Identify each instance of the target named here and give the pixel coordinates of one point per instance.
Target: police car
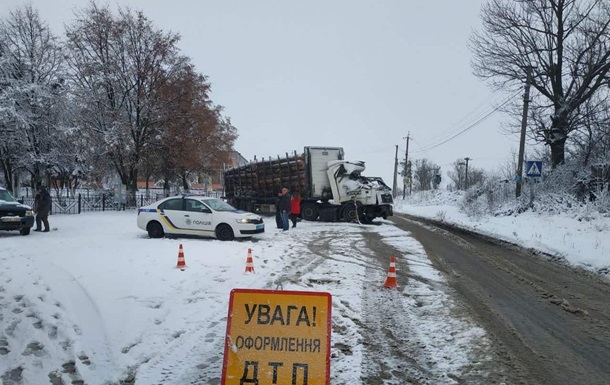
(198, 215)
(14, 215)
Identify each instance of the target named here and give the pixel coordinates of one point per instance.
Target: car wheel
(155, 230)
(224, 232)
(309, 212)
(25, 231)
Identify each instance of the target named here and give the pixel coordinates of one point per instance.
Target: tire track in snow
(97, 364)
(192, 357)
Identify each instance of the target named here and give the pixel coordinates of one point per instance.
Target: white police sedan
(198, 215)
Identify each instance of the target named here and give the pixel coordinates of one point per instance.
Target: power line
(421, 148)
(473, 115)
(471, 126)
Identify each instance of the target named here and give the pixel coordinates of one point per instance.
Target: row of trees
(427, 175)
(115, 96)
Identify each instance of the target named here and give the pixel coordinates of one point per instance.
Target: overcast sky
(351, 73)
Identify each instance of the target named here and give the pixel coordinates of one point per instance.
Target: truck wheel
(25, 231)
(309, 212)
(350, 214)
(155, 230)
(364, 218)
(224, 232)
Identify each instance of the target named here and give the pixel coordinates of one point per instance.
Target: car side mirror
(206, 210)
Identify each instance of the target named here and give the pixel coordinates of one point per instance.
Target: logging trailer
(331, 188)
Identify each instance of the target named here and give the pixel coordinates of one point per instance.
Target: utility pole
(410, 176)
(404, 185)
(395, 183)
(466, 177)
(460, 186)
(526, 100)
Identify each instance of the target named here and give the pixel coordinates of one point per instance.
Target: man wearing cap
(42, 206)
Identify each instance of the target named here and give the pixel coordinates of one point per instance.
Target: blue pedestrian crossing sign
(534, 169)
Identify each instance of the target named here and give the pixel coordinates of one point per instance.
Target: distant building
(235, 159)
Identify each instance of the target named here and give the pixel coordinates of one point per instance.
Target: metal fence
(93, 202)
(89, 200)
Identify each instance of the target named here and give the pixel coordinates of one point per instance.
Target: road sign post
(534, 171)
(277, 337)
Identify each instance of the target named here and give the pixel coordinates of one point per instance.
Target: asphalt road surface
(549, 323)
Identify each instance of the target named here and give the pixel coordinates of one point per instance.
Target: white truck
(331, 188)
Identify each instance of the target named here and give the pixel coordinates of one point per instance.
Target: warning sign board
(533, 169)
(277, 337)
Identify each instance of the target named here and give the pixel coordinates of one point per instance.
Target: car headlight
(29, 213)
(246, 220)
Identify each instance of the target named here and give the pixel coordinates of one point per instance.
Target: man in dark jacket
(42, 207)
(285, 208)
(278, 212)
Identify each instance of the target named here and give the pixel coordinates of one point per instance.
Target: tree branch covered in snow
(117, 97)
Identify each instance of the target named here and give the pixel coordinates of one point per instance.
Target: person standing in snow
(295, 208)
(42, 207)
(278, 213)
(285, 209)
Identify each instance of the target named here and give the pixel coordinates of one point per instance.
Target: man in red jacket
(295, 208)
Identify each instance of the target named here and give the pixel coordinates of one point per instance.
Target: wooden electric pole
(526, 100)
(466, 177)
(404, 184)
(395, 183)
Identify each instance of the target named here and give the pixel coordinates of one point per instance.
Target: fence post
(141, 200)
(79, 203)
(103, 202)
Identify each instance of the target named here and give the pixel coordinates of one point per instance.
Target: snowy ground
(580, 236)
(97, 300)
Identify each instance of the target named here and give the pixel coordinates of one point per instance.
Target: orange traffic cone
(391, 279)
(249, 262)
(181, 263)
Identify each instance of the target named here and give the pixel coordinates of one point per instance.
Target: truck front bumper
(386, 211)
(383, 211)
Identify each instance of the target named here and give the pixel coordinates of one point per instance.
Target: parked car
(198, 215)
(14, 215)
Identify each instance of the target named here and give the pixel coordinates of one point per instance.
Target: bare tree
(508, 168)
(424, 173)
(476, 176)
(591, 143)
(566, 43)
(120, 66)
(458, 174)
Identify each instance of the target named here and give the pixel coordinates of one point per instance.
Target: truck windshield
(6, 196)
(219, 205)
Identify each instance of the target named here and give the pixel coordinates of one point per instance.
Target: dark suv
(14, 215)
